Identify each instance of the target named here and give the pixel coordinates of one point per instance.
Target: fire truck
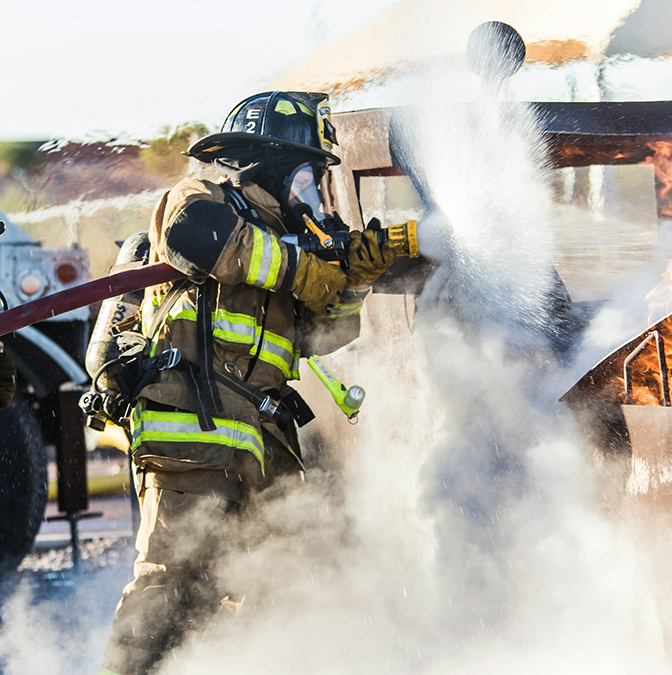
(44, 417)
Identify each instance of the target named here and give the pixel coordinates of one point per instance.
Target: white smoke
(460, 535)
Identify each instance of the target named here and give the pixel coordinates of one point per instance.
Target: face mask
(271, 169)
(302, 194)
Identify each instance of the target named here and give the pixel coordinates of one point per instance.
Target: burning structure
(623, 401)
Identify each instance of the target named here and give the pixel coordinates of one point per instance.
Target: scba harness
(137, 366)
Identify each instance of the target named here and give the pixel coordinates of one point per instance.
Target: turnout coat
(259, 330)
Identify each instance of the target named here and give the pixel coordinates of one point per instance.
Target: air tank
(103, 346)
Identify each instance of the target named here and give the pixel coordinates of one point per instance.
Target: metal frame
(662, 366)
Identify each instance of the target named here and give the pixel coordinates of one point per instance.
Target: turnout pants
(182, 540)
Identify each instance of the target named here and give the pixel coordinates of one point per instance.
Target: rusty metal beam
(580, 134)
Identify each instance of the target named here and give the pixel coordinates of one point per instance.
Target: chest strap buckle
(169, 358)
(268, 407)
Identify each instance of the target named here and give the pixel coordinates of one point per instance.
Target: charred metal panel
(378, 142)
(604, 382)
(607, 118)
(581, 134)
(578, 134)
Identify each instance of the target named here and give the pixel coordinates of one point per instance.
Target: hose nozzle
(403, 238)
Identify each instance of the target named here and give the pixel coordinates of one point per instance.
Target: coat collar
(266, 206)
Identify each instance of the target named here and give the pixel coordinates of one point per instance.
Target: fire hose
(86, 294)
(403, 237)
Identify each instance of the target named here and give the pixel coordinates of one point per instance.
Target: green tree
(163, 155)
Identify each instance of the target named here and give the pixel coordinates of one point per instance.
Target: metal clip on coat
(348, 400)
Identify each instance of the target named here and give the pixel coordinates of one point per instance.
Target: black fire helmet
(279, 123)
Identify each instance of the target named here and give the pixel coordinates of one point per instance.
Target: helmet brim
(225, 144)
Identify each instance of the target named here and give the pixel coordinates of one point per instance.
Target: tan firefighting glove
(7, 380)
(367, 259)
(318, 284)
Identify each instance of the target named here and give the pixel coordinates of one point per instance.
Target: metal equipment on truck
(49, 358)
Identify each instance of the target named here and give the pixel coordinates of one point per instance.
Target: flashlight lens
(354, 397)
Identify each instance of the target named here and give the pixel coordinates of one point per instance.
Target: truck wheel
(23, 482)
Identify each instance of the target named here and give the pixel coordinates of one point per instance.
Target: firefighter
(7, 378)
(218, 425)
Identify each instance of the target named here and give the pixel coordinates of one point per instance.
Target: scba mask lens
(302, 194)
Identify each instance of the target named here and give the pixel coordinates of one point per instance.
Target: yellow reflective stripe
(180, 427)
(346, 309)
(227, 326)
(276, 350)
(107, 671)
(257, 252)
(265, 261)
(147, 313)
(294, 368)
(275, 360)
(282, 342)
(234, 327)
(306, 109)
(296, 457)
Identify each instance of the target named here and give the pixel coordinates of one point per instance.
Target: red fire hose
(86, 294)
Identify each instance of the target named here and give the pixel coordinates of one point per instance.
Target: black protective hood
(270, 170)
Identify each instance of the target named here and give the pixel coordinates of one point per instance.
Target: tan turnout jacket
(253, 318)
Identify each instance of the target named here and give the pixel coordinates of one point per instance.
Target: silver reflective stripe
(266, 259)
(283, 353)
(244, 330)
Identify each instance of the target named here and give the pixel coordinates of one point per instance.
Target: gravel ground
(94, 555)
(51, 613)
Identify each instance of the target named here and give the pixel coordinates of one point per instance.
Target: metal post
(74, 539)
(662, 367)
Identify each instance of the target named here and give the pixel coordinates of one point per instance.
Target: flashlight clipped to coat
(331, 244)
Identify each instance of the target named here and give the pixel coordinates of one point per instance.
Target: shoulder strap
(244, 209)
(207, 402)
(176, 290)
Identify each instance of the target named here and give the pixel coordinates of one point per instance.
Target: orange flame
(661, 160)
(645, 375)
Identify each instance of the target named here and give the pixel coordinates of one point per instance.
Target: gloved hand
(367, 259)
(318, 284)
(7, 380)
